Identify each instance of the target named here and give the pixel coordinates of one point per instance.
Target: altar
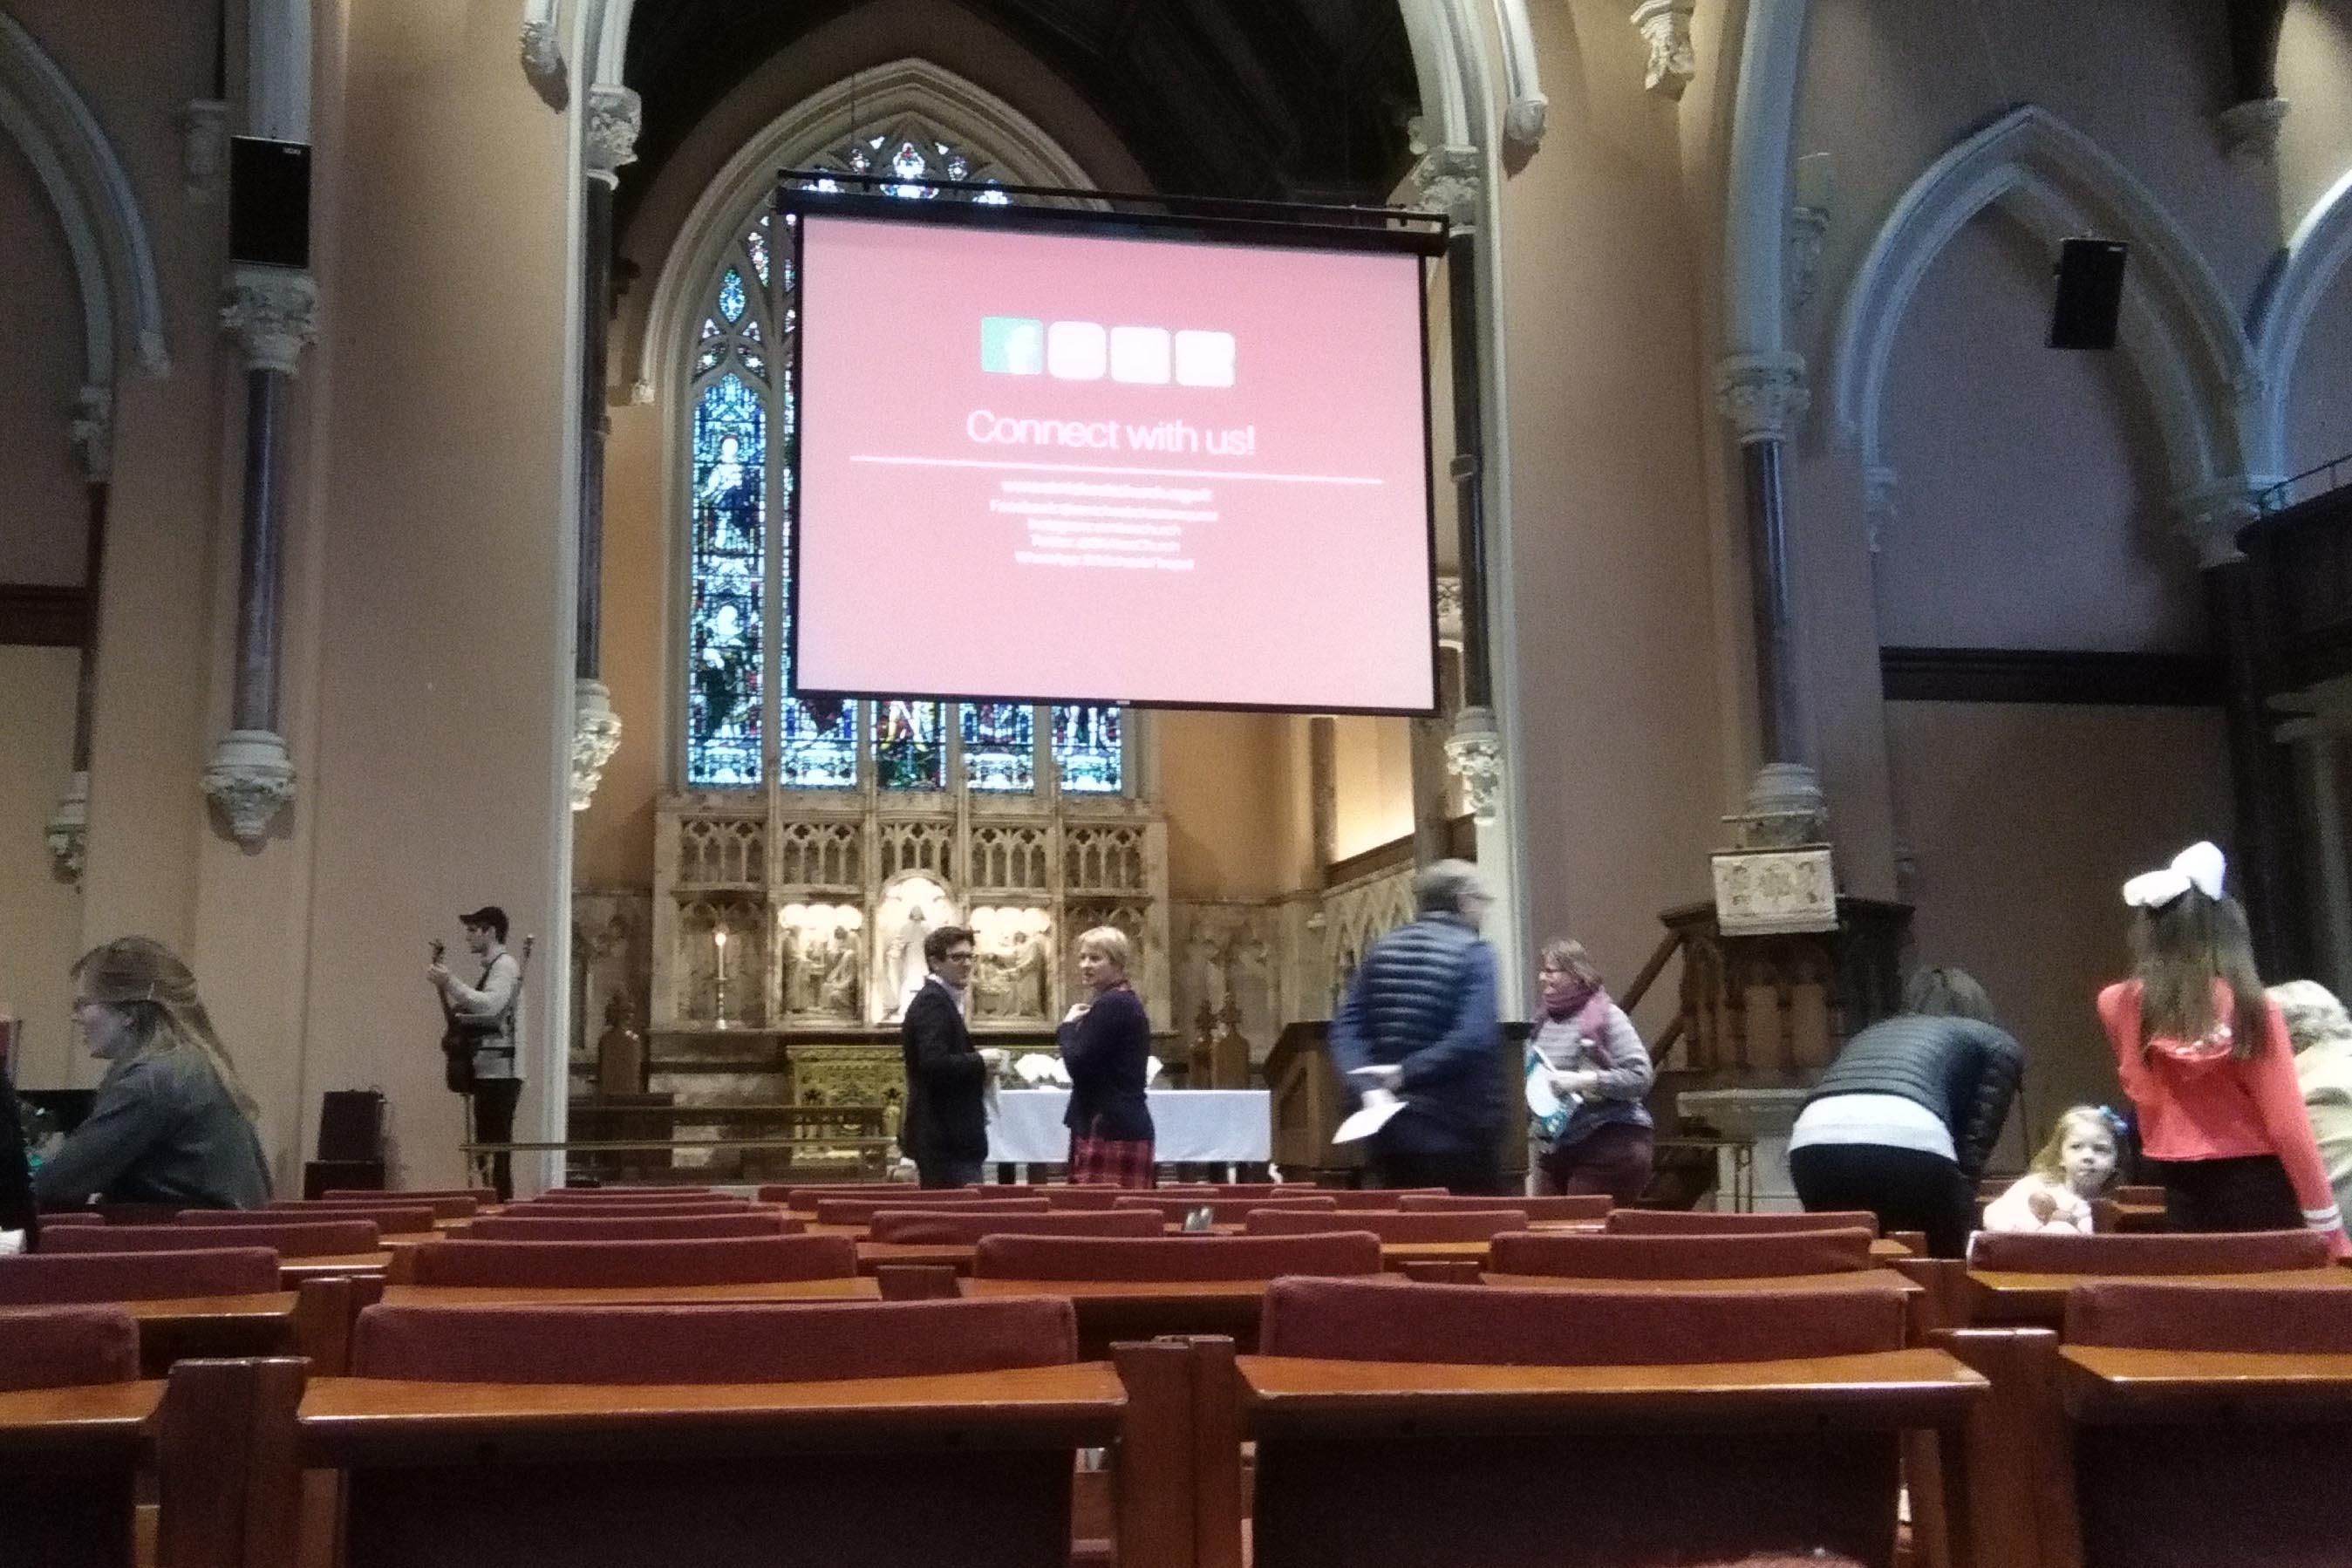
(1205, 1126)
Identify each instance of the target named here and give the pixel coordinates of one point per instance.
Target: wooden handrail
(1631, 997)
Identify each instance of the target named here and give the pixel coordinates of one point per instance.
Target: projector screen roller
(1064, 466)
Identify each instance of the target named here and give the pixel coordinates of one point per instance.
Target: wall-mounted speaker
(2090, 293)
(268, 201)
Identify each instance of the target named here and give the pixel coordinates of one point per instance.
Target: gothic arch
(2315, 255)
(122, 304)
(907, 89)
(2178, 331)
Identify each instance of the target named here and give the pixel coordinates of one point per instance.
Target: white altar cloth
(1219, 1126)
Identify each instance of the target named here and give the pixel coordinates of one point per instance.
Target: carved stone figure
(840, 988)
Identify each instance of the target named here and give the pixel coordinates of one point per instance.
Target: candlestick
(719, 939)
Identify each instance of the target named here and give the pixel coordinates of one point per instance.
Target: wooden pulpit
(1772, 1010)
(1308, 1103)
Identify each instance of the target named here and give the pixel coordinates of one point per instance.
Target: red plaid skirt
(1111, 1161)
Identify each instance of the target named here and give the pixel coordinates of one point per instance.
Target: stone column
(273, 310)
(2264, 870)
(2318, 739)
(1323, 790)
(1763, 396)
(93, 438)
(612, 118)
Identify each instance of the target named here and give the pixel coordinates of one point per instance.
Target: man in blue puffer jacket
(1420, 1015)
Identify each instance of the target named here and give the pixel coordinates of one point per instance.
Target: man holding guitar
(480, 1037)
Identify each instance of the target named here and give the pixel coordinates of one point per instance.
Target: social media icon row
(1087, 350)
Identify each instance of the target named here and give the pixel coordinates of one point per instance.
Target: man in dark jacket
(1419, 1021)
(945, 1129)
(1903, 1121)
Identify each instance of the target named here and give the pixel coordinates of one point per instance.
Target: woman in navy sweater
(1106, 1046)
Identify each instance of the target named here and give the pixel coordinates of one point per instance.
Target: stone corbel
(250, 781)
(1446, 180)
(1523, 117)
(93, 433)
(70, 828)
(2213, 516)
(543, 64)
(204, 147)
(1665, 27)
(1474, 753)
(1449, 611)
(2250, 130)
(1763, 396)
(274, 311)
(615, 116)
(595, 736)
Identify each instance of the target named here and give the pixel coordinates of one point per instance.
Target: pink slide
(1042, 466)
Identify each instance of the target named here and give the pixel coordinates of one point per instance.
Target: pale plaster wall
(40, 915)
(2025, 821)
(445, 577)
(613, 840)
(2319, 401)
(1621, 733)
(2315, 76)
(2032, 510)
(1374, 769)
(1223, 778)
(43, 519)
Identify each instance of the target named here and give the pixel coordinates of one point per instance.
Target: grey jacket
(1963, 1071)
(164, 1129)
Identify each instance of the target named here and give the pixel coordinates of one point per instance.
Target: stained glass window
(1087, 756)
(1000, 748)
(731, 456)
(743, 414)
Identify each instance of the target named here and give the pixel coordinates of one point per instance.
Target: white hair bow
(2199, 866)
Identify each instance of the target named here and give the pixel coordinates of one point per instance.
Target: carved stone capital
(1449, 610)
(542, 63)
(2251, 130)
(1474, 753)
(615, 116)
(1763, 396)
(250, 781)
(70, 829)
(1665, 27)
(93, 433)
(2212, 517)
(204, 147)
(1784, 810)
(1447, 180)
(595, 736)
(274, 311)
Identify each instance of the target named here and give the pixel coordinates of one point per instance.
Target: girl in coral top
(2203, 1054)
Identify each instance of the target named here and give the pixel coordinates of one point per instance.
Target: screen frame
(1297, 229)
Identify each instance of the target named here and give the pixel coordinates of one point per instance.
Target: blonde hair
(2314, 1017)
(2049, 1161)
(145, 981)
(1111, 942)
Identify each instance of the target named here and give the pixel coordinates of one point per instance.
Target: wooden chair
(1604, 1257)
(70, 1428)
(1554, 1208)
(756, 1439)
(481, 1197)
(2243, 1252)
(54, 1217)
(1778, 1413)
(682, 1192)
(1353, 1198)
(947, 1227)
(392, 1219)
(1223, 1211)
(861, 1211)
(1449, 1224)
(632, 1227)
(287, 1238)
(59, 1347)
(804, 1197)
(223, 1303)
(678, 1209)
(1705, 1222)
(547, 1265)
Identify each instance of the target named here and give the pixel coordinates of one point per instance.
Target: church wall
(1223, 778)
(1374, 769)
(40, 916)
(2319, 403)
(41, 369)
(444, 688)
(2315, 76)
(2024, 821)
(1621, 736)
(612, 842)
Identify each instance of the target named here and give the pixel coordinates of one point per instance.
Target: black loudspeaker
(351, 1125)
(268, 201)
(2090, 293)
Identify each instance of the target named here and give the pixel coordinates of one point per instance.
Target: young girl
(2203, 1054)
(2076, 1165)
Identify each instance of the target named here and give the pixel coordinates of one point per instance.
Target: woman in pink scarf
(1600, 1141)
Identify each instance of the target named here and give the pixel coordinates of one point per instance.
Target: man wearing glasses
(945, 1129)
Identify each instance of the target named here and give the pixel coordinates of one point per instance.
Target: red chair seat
(1604, 1257)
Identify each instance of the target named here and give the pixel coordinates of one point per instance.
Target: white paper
(1151, 1067)
(1038, 1068)
(1542, 1101)
(1379, 1105)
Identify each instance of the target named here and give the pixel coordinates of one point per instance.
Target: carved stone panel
(719, 852)
(821, 961)
(913, 907)
(1013, 979)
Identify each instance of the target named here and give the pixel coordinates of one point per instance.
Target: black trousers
(1907, 1189)
(936, 1173)
(1472, 1173)
(2248, 1191)
(494, 1114)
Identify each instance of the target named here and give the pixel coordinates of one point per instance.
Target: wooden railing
(2302, 552)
